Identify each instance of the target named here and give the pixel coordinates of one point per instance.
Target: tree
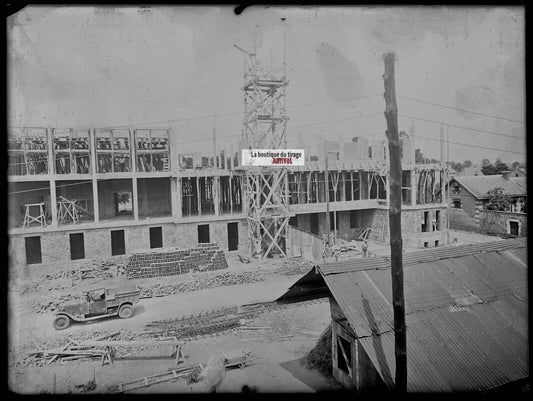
(487, 168)
(500, 166)
(498, 200)
(467, 163)
(490, 170)
(516, 164)
(457, 166)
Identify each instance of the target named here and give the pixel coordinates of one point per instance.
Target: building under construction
(96, 193)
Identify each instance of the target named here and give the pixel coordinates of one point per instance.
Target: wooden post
(395, 208)
(448, 211)
(326, 185)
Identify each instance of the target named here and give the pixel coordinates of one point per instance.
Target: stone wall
(497, 223)
(206, 257)
(412, 235)
(55, 245)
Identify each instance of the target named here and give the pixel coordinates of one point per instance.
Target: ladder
(165, 162)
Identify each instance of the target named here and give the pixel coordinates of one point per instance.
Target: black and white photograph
(266, 199)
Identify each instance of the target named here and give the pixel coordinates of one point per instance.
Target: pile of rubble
(220, 280)
(98, 269)
(51, 304)
(296, 265)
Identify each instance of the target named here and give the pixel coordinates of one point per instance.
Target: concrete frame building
(97, 193)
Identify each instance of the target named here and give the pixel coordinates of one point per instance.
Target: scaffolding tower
(264, 127)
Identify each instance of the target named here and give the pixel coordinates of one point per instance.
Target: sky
(176, 67)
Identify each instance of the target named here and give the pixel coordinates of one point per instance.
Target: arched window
(456, 204)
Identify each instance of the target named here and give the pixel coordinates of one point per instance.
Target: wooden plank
(63, 349)
(127, 343)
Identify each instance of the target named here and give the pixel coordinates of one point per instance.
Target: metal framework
(264, 127)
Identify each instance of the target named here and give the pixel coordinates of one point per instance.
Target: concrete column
(178, 198)
(198, 196)
(414, 186)
(50, 151)
(96, 209)
(135, 199)
(387, 187)
(174, 197)
(51, 172)
(92, 146)
(53, 202)
(133, 150)
(216, 195)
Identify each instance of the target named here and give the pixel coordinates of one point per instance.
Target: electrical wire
(458, 126)
(462, 110)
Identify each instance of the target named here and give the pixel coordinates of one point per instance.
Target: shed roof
(480, 185)
(466, 314)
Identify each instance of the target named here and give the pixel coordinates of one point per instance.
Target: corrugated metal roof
(466, 316)
(421, 256)
(480, 185)
(470, 349)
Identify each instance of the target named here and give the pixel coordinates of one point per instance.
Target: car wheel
(61, 322)
(125, 311)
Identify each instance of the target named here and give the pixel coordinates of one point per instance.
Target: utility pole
(448, 182)
(395, 221)
(326, 184)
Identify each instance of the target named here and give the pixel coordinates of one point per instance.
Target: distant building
(470, 193)
(466, 316)
(518, 172)
(468, 199)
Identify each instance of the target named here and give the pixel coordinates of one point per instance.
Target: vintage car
(99, 304)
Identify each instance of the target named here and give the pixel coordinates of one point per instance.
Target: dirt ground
(279, 348)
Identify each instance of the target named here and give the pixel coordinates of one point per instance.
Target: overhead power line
(210, 116)
(461, 127)
(467, 145)
(462, 110)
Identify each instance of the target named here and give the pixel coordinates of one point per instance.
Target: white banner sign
(273, 157)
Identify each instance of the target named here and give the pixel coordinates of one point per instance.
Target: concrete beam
(96, 209)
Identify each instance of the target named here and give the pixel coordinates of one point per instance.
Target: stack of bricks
(170, 262)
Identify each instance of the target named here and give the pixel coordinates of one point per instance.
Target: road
(38, 327)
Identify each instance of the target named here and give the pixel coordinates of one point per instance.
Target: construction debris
(320, 357)
(46, 304)
(243, 259)
(295, 265)
(194, 375)
(106, 349)
(85, 388)
(220, 280)
(96, 269)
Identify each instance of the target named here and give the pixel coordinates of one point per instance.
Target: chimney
(506, 175)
